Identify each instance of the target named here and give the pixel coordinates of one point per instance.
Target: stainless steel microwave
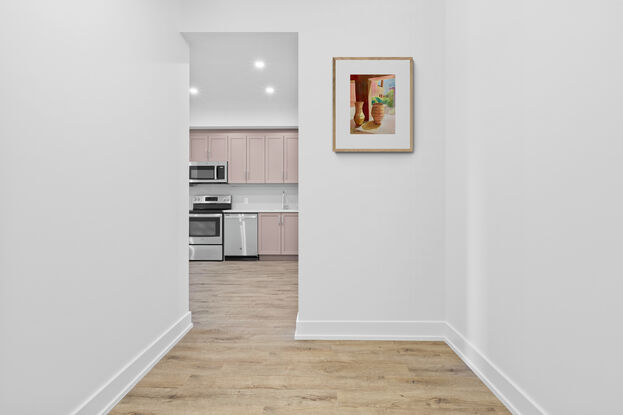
(207, 172)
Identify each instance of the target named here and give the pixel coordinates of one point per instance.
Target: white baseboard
(369, 330)
(511, 395)
(508, 392)
(106, 397)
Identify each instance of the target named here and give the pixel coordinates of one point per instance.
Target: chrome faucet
(284, 200)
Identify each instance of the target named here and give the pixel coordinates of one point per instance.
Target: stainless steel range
(205, 236)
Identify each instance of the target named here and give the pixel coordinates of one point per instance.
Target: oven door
(207, 172)
(205, 229)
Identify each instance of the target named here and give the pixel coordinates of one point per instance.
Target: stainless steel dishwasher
(241, 235)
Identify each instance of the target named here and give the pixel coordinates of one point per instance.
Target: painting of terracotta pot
(373, 103)
(378, 112)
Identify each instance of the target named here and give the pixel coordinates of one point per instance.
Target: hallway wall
(371, 225)
(93, 285)
(505, 221)
(533, 196)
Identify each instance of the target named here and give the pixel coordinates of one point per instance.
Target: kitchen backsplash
(265, 196)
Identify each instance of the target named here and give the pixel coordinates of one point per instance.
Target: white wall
(93, 106)
(371, 225)
(527, 95)
(533, 195)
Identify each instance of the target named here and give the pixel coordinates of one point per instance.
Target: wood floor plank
(241, 358)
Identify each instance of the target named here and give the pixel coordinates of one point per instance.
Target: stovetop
(210, 203)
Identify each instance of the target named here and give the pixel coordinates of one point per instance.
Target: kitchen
(243, 166)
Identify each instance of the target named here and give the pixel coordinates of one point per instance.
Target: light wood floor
(240, 358)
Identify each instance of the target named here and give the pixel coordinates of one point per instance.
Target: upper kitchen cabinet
(217, 147)
(198, 147)
(291, 158)
(274, 159)
(256, 159)
(237, 166)
(254, 156)
(207, 147)
(282, 158)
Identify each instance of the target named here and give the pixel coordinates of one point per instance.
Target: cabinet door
(198, 147)
(255, 159)
(274, 159)
(291, 158)
(269, 230)
(290, 233)
(217, 148)
(237, 167)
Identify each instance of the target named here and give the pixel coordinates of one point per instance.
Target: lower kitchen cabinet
(289, 233)
(269, 234)
(278, 234)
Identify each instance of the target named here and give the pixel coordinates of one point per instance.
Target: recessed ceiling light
(259, 64)
(193, 91)
(270, 90)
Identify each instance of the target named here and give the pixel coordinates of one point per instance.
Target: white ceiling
(232, 90)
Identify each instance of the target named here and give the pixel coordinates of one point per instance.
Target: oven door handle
(205, 215)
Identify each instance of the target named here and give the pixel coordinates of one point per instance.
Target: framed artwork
(373, 104)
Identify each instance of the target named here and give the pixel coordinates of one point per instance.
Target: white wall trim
(508, 392)
(369, 330)
(109, 394)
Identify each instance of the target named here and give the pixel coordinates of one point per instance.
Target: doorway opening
(243, 183)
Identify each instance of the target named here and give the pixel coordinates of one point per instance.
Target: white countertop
(260, 210)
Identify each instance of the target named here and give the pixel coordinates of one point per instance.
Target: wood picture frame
(393, 136)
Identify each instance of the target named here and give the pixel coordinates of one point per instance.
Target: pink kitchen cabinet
(269, 234)
(291, 158)
(289, 233)
(278, 234)
(255, 159)
(274, 159)
(254, 156)
(237, 166)
(217, 147)
(198, 147)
